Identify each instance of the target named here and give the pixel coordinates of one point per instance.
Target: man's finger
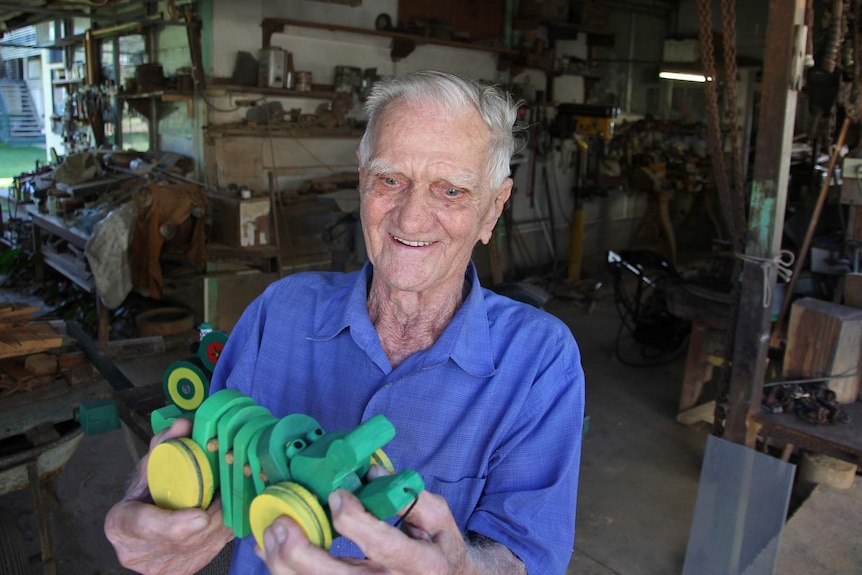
(380, 541)
(138, 489)
(431, 513)
(150, 521)
(288, 551)
(376, 471)
(431, 520)
(182, 427)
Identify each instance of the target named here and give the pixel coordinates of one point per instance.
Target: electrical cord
(810, 380)
(644, 318)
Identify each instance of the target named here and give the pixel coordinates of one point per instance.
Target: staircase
(19, 122)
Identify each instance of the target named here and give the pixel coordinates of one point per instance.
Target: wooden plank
(29, 339)
(696, 369)
(14, 369)
(482, 20)
(51, 403)
(703, 412)
(856, 229)
(825, 339)
(853, 290)
(14, 313)
(766, 214)
(269, 26)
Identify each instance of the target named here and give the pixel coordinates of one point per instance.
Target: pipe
(630, 68)
(809, 234)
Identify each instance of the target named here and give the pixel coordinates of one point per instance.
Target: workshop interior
(687, 198)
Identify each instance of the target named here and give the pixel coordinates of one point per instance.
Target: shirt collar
(466, 340)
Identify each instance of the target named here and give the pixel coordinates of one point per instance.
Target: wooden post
(781, 79)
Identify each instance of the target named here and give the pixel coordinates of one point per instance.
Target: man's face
(425, 198)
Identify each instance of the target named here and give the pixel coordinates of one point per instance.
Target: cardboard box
(241, 223)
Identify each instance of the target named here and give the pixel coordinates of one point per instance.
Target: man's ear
(359, 163)
(500, 197)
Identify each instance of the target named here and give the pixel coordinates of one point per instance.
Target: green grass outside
(16, 160)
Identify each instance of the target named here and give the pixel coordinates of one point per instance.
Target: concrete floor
(639, 472)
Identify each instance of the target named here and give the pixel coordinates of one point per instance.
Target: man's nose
(415, 203)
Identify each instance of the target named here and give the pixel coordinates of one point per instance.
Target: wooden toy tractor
(265, 466)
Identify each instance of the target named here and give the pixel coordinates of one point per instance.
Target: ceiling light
(685, 77)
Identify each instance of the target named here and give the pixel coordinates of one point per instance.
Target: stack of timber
(24, 365)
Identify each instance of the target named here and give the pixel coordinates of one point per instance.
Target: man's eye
(390, 181)
(452, 192)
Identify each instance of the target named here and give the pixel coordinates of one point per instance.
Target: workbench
(67, 265)
(840, 440)
(708, 311)
(38, 436)
(709, 317)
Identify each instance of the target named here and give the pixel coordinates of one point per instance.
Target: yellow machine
(583, 122)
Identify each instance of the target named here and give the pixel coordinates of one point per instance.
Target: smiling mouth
(411, 244)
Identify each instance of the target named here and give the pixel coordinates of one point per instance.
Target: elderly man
(486, 393)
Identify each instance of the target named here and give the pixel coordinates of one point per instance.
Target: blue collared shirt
(490, 415)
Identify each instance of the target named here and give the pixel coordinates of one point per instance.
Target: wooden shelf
(318, 93)
(70, 267)
(56, 226)
(163, 95)
(70, 82)
(402, 44)
(280, 131)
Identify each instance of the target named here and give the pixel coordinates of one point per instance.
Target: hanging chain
(732, 204)
(707, 54)
(728, 27)
(852, 61)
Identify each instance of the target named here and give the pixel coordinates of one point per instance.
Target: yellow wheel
(379, 457)
(185, 384)
(179, 475)
(296, 502)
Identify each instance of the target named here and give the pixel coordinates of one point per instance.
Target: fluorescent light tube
(684, 77)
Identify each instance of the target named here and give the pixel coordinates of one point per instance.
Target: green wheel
(186, 384)
(210, 348)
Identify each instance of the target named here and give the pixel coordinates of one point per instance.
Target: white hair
(450, 92)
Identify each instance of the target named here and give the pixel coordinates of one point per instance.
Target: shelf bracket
(268, 27)
(401, 48)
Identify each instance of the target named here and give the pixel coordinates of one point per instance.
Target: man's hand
(430, 544)
(153, 541)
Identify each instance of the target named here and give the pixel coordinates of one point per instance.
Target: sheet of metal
(739, 514)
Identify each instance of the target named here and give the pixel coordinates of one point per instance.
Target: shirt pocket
(462, 495)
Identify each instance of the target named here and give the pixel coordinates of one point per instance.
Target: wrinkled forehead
(457, 136)
(411, 114)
